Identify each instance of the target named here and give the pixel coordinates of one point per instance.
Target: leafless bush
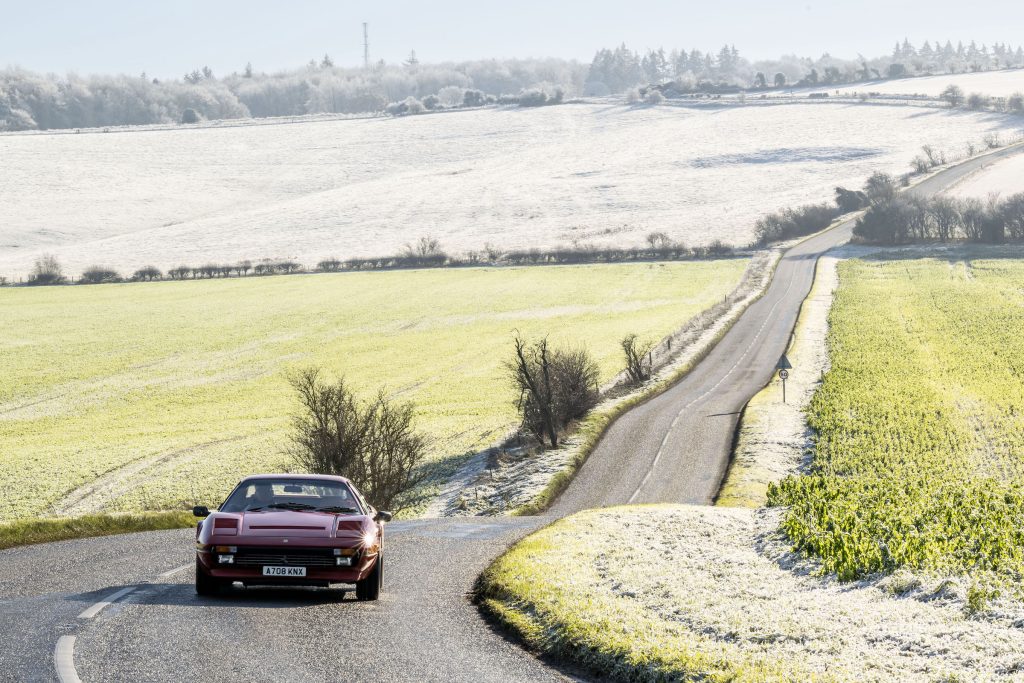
(920, 164)
(424, 247)
(373, 444)
(992, 141)
(243, 267)
(977, 101)
(46, 271)
(96, 275)
(554, 387)
(179, 273)
(288, 267)
(638, 358)
(147, 274)
(659, 240)
(329, 265)
(881, 188)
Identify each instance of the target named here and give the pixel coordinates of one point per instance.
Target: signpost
(783, 366)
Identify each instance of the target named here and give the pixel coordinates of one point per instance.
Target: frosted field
(1003, 178)
(994, 83)
(588, 173)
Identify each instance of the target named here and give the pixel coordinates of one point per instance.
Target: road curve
(676, 447)
(123, 608)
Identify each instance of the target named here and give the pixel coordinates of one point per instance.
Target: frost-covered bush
(451, 96)
(410, 105)
(654, 97)
(534, 97)
(473, 98)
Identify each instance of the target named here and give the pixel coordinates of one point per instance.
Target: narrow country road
(123, 608)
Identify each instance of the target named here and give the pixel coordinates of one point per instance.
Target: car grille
(276, 558)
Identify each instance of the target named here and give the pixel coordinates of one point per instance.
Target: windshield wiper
(292, 506)
(336, 509)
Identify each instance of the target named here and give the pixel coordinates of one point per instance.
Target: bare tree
(954, 95)
(46, 271)
(638, 358)
(554, 387)
(374, 444)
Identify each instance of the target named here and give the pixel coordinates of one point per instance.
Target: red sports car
(280, 529)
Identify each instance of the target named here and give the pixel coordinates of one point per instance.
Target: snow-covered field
(1005, 178)
(589, 173)
(994, 83)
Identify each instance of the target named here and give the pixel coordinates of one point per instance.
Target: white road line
(64, 660)
(99, 606)
(169, 574)
(735, 365)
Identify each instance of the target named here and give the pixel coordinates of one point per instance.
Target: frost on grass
(1003, 178)
(720, 582)
(554, 176)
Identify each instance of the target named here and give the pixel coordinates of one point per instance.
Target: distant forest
(31, 101)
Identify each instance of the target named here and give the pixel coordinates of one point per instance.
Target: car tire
(369, 588)
(206, 584)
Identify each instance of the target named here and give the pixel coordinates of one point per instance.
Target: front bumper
(318, 561)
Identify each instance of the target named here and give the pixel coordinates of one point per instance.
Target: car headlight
(370, 540)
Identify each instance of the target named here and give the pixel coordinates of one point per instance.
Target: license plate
(284, 571)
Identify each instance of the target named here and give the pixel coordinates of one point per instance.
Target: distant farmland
(596, 173)
(160, 394)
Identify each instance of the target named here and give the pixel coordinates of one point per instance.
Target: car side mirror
(382, 516)
(201, 511)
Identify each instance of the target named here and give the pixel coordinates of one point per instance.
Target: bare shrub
(147, 274)
(659, 240)
(373, 444)
(96, 275)
(920, 164)
(881, 187)
(638, 358)
(425, 247)
(329, 265)
(993, 141)
(977, 101)
(288, 267)
(46, 271)
(179, 273)
(554, 387)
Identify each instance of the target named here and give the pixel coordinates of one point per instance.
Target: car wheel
(369, 588)
(206, 584)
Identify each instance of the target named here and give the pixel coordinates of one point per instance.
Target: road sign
(784, 364)
(784, 374)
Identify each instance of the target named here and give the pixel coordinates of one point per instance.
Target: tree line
(620, 69)
(31, 101)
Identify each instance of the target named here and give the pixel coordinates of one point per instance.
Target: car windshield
(292, 494)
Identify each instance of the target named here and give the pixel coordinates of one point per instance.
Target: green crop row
(920, 436)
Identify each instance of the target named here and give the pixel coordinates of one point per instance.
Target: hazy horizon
(168, 41)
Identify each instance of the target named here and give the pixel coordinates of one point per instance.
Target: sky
(168, 39)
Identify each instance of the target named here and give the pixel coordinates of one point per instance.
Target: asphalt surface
(673, 448)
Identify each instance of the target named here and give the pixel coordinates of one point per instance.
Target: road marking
(64, 660)
(99, 606)
(746, 352)
(169, 574)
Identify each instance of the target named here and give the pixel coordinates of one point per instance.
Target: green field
(165, 393)
(920, 421)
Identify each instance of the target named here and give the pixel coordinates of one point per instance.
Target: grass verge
(31, 531)
(595, 615)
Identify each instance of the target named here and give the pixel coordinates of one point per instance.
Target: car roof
(305, 477)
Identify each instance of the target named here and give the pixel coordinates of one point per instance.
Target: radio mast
(366, 46)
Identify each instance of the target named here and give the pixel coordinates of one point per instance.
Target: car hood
(291, 524)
